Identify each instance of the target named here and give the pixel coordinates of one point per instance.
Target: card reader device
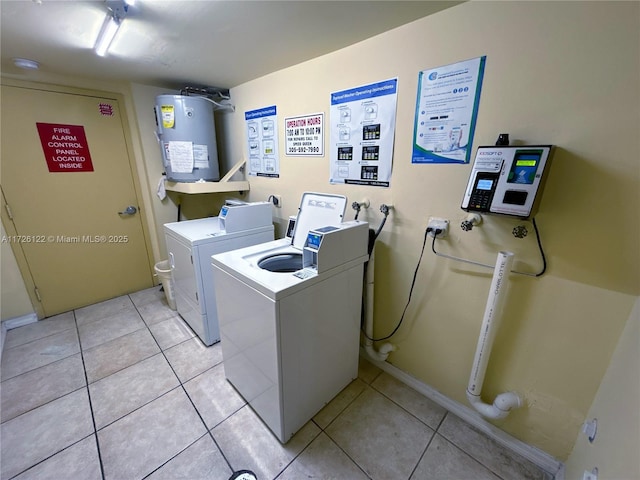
(331, 246)
(507, 180)
(243, 216)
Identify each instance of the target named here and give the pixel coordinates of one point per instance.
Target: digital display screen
(526, 163)
(484, 184)
(223, 212)
(313, 240)
(524, 167)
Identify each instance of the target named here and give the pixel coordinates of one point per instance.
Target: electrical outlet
(277, 200)
(590, 428)
(438, 224)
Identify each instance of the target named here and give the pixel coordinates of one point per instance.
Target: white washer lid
(317, 210)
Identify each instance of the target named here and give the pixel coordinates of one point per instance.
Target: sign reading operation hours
(304, 135)
(65, 147)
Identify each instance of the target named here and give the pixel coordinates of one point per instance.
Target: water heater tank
(187, 135)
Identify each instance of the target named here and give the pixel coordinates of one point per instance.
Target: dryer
(289, 313)
(190, 245)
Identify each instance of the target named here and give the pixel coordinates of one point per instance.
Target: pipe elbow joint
(382, 353)
(507, 401)
(502, 405)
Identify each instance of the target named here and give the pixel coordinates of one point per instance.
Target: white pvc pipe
(381, 354)
(504, 402)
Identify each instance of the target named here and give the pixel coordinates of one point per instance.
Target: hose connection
(472, 220)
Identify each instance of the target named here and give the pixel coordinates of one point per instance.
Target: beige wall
(565, 73)
(617, 410)
(14, 300)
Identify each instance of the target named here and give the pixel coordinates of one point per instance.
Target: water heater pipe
(504, 402)
(384, 350)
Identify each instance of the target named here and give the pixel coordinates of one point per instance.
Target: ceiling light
(107, 32)
(116, 12)
(26, 64)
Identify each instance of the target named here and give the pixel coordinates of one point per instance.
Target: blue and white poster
(262, 141)
(446, 112)
(363, 124)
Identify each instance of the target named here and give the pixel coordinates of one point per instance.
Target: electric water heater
(507, 180)
(187, 136)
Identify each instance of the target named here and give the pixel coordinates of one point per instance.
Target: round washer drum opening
(282, 263)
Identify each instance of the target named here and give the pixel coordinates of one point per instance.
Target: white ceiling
(220, 43)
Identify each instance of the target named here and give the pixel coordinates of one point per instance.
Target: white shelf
(206, 187)
(224, 185)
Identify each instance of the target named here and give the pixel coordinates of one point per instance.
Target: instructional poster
(446, 111)
(262, 140)
(363, 124)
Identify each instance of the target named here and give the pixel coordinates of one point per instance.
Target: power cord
(472, 262)
(437, 232)
(544, 259)
(273, 199)
(413, 283)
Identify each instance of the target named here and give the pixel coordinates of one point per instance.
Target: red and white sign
(65, 147)
(304, 135)
(106, 109)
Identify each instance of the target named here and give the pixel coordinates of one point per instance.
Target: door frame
(145, 210)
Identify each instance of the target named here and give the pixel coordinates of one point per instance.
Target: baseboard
(536, 456)
(15, 323)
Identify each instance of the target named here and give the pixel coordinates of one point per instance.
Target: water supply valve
(472, 220)
(520, 231)
(385, 209)
(358, 205)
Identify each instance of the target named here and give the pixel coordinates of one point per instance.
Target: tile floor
(122, 390)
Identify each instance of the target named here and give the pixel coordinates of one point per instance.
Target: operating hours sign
(304, 135)
(65, 147)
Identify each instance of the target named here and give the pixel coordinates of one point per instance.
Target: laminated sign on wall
(363, 124)
(304, 135)
(262, 142)
(446, 112)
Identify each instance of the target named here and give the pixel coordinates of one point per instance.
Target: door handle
(130, 210)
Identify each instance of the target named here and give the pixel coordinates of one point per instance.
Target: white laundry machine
(190, 245)
(289, 313)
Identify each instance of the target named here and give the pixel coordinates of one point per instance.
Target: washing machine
(191, 244)
(289, 313)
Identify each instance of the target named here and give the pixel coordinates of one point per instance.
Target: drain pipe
(382, 353)
(504, 402)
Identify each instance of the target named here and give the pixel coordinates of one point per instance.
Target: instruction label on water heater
(168, 116)
(181, 157)
(262, 142)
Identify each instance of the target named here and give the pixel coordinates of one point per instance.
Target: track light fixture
(116, 12)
